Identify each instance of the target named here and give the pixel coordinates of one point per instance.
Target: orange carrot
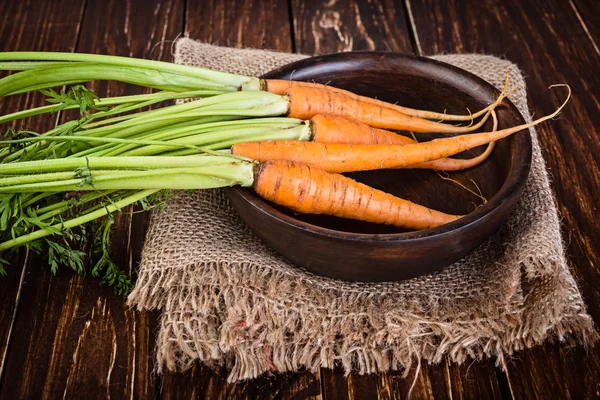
(333, 129)
(334, 157)
(314, 191)
(337, 129)
(306, 102)
(282, 86)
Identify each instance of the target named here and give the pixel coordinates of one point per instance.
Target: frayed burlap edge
(219, 332)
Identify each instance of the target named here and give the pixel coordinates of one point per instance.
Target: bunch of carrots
(289, 141)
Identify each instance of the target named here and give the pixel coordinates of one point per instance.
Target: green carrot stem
(239, 104)
(245, 104)
(34, 178)
(66, 205)
(216, 140)
(117, 205)
(102, 150)
(60, 75)
(222, 139)
(27, 65)
(133, 126)
(99, 140)
(213, 125)
(110, 101)
(226, 141)
(33, 198)
(84, 198)
(192, 126)
(151, 162)
(134, 105)
(33, 112)
(96, 151)
(221, 77)
(122, 118)
(234, 173)
(66, 127)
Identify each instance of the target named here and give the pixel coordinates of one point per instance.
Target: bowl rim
(512, 186)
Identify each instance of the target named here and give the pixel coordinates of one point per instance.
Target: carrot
(282, 86)
(333, 129)
(334, 157)
(455, 164)
(314, 191)
(337, 129)
(306, 102)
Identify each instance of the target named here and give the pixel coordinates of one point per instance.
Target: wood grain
(322, 27)
(389, 386)
(547, 40)
(204, 382)
(432, 382)
(199, 382)
(302, 385)
(51, 26)
(588, 12)
(84, 335)
(445, 381)
(554, 371)
(240, 23)
(473, 380)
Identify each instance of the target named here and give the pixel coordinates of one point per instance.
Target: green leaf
(77, 95)
(64, 255)
(3, 262)
(109, 272)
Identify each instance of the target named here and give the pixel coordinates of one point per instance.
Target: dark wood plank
(50, 26)
(303, 385)
(383, 386)
(10, 287)
(433, 382)
(71, 335)
(199, 382)
(240, 23)
(205, 382)
(553, 371)
(322, 27)
(547, 40)
(474, 380)
(325, 27)
(255, 24)
(588, 11)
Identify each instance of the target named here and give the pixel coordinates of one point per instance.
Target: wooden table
(65, 336)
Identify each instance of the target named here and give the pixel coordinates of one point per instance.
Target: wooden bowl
(358, 251)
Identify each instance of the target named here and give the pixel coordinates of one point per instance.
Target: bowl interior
(424, 84)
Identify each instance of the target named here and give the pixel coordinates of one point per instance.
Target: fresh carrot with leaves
(38, 73)
(294, 185)
(279, 86)
(320, 128)
(51, 69)
(332, 129)
(334, 157)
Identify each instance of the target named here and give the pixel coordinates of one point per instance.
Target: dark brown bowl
(358, 251)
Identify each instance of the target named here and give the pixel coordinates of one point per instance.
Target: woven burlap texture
(228, 299)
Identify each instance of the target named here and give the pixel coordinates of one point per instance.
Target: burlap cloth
(228, 299)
